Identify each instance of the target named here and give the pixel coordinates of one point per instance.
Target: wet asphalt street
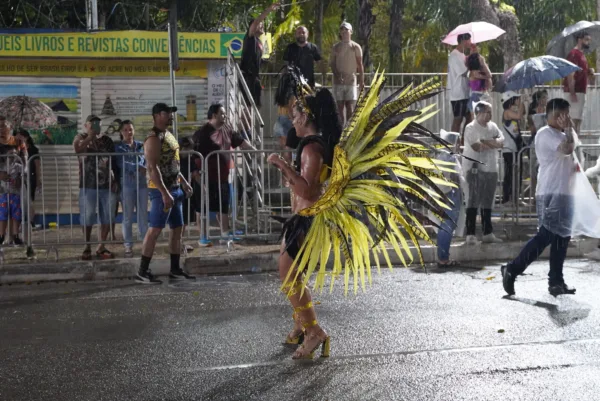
(446, 335)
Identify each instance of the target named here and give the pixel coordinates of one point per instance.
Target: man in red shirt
(575, 85)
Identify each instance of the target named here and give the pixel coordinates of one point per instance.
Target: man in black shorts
(217, 135)
(458, 83)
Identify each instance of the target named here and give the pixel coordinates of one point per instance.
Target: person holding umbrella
(464, 37)
(458, 83)
(575, 84)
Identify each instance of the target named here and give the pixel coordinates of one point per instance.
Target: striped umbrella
(27, 112)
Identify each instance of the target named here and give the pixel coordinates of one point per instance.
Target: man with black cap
(98, 177)
(165, 185)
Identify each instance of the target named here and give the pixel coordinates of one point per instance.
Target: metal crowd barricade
(66, 192)
(258, 196)
(587, 155)
(191, 208)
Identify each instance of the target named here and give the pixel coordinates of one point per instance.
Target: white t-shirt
(556, 169)
(475, 133)
(458, 82)
(509, 144)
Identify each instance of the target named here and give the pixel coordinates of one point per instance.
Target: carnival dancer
(352, 191)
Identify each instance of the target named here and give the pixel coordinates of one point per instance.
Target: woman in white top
(483, 138)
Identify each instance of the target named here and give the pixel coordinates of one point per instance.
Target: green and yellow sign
(120, 44)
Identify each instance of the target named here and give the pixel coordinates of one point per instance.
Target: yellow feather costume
(378, 168)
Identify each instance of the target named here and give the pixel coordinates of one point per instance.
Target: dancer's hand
(274, 159)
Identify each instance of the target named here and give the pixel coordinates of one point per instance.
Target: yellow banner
(100, 68)
(120, 44)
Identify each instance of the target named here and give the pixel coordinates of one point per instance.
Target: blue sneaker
(204, 243)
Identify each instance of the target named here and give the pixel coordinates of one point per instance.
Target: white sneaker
(491, 239)
(594, 255)
(472, 240)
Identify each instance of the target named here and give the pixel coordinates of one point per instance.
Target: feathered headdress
(300, 88)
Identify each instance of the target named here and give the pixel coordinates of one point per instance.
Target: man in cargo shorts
(167, 188)
(346, 62)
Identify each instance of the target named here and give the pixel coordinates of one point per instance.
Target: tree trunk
(366, 19)
(510, 42)
(597, 50)
(147, 16)
(395, 35)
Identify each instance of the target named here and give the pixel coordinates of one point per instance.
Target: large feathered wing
(381, 172)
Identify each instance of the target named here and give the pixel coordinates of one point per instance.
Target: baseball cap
(160, 107)
(92, 117)
(506, 96)
(346, 25)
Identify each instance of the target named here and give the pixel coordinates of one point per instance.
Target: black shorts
(294, 233)
(219, 197)
(460, 108)
(192, 205)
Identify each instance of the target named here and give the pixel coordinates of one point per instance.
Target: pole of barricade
(24, 201)
(518, 173)
(203, 196)
(245, 197)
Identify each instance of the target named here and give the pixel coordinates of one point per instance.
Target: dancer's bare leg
(303, 308)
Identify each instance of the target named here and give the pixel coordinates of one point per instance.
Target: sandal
(450, 263)
(104, 254)
(86, 255)
(310, 345)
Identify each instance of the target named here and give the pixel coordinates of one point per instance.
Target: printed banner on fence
(100, 68)
(120, 44)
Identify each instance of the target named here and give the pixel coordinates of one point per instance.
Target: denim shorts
(159, 217)
(282, 126)
(90, 200)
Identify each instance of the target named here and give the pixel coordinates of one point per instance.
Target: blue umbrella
(535, 71)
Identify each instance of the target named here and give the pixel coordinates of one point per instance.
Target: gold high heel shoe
(324, 343)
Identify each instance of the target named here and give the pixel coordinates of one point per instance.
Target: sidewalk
(243, 258)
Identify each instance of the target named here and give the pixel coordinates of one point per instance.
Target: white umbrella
(480, 32)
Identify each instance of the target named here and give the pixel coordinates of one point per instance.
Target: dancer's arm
(306, 183)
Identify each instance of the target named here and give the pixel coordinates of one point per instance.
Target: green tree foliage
(423, 22)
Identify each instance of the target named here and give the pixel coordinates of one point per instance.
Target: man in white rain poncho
(554, 146)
